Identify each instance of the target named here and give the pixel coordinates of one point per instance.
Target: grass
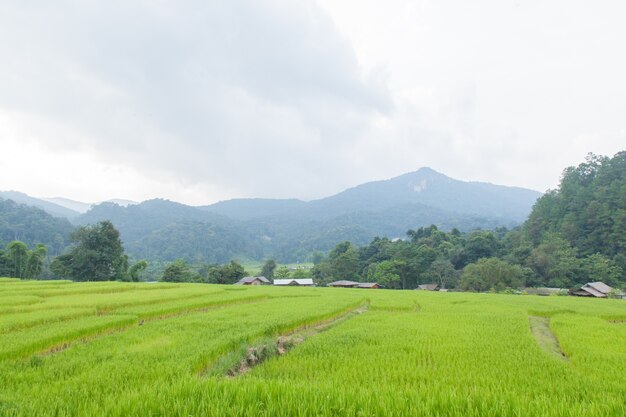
(117, 349)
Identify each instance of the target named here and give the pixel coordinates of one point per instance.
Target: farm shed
(369, 285)
(428, 287)
(253, 281)
(344, 284)
(303, 282)
(593, 289)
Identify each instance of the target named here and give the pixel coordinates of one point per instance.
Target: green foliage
(136, 269)
(555, 262)
(387, 273)
(588, 209)
(17, 253)
(491, 273)
(225, 274)
(35, 262)
(295, 231)
(282, 272)
(97, 255)
(32, 226)
(178, 271)
(443, 273)
(268, 268)
(19, 262)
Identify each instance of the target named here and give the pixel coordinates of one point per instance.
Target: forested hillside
(291, 230)
(32, 225)
(575, 234)
(49, 207)
(588, 210)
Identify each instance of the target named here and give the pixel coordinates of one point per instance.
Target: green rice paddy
(118, 349)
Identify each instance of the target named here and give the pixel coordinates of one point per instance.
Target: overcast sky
(199, 101)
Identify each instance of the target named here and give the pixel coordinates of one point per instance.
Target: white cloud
(200, 101)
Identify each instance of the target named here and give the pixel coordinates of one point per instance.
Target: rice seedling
(166, 352)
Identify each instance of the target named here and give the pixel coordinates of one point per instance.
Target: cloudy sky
(199, 101)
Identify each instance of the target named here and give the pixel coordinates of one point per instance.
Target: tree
(35, 262)
(598, 267)
(442, 271)
(554, 263)
(97, 255)
(481, 245)
(344, 261)
(491, 273)
(135, 270)
(268, 269)
(282, 272)
(20, 262)
(178, 271)
(17, 253)
(387, 273)
(225, 274)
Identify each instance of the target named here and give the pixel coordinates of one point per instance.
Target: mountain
(81, 207)
(51, 207)
(431, 188)
(290, 229)
(425, 187)
(33, 225)
(77, 206)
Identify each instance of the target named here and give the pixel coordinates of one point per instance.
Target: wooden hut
(593, 289)
(253, 281)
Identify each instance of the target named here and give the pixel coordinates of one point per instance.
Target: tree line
(18, 261)
(574, 234)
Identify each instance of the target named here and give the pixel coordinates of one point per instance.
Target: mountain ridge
(291, 229)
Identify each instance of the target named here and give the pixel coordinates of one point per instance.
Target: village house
(595, 289)
(253, 281)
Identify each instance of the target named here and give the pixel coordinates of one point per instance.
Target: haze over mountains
(291, 229)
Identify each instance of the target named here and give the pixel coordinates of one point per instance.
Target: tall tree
(268, 268)
(178, 271)
(136, 269)
(491, 273)
(17, 253)
(35, 262)
(97, 255)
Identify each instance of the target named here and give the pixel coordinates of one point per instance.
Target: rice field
(122, 349)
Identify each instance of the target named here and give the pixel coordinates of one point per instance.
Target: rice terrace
(158, 349)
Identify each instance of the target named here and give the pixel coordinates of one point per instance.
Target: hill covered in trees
(291, 230)
(33, 225)
(574, 234)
